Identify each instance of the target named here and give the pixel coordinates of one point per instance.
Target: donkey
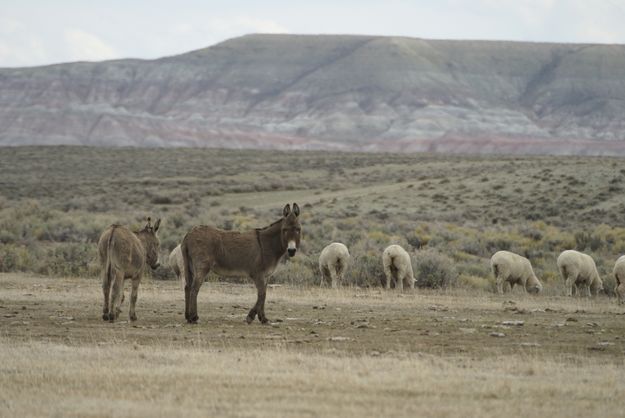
(123, 255)
(254, 253)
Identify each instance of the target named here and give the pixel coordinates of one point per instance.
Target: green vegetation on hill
(456, 211)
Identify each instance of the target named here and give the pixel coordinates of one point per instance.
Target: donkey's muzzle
(155, 266)
(291, 251)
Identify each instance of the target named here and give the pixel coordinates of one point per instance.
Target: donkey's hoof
(105, 316)
(263, 320)
(192, 319)
(133, 317)
(249, 319)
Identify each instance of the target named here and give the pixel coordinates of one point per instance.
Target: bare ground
(327, 353)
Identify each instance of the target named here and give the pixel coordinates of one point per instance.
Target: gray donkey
(252, 253)
(123, 255)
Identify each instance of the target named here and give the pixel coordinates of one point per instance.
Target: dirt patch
(351, 320)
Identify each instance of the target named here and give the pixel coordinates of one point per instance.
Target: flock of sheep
(578, 270)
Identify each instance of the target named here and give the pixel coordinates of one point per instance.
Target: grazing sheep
(511, 268)
(579, 269)
(333, 262)
(619, 275)
(397, 265)
(176, 264)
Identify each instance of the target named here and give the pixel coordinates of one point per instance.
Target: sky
(39, 32)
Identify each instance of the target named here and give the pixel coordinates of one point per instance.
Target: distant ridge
(336, 92)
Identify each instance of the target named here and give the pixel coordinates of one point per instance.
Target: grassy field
(351, 352)
(446, 349)
(55, 201)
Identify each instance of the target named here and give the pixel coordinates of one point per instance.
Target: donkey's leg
(116, 294)
(259, 306)
(106, 289)
(198, 279)
(187, 298)
(133, 297)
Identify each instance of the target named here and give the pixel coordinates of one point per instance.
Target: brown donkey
(123, 255)
(254, 253)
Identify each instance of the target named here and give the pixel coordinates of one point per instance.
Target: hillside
(331, 92)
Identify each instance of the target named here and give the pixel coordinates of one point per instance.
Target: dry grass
(427, 353)
(122, 379)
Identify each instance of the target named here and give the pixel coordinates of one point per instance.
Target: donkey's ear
(286, 210)
(157, 224)
(295, 209)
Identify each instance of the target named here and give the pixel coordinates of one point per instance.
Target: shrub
(70, 259)
(366, 270)
(296, 271)
(433, 269)
(476, 282)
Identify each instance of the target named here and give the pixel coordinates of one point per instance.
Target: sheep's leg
(587, 287)
(388, 274)
(510, 286)
(339, 274)
(325, 276)
(620, 293)
(333, 277)
(399, 282)
(568, 285)
(499, 283)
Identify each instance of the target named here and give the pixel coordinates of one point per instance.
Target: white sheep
(579, 269)
(619, 275)
(177, 264)
(397, 266)
(510, 268)
(333, 262)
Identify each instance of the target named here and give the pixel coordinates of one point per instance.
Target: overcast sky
(36, 32)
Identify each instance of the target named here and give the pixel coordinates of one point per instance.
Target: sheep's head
(534, 286)
(596, 286)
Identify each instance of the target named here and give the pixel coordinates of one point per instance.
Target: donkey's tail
(108, 266)
(187, 264)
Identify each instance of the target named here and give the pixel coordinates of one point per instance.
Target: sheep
(333, 262)
(176, 264)
(397, 265)
(619, 275)
(511, 268)
(579, 269)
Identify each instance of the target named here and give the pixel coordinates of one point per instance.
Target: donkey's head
(150, 242)
(291, 230)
